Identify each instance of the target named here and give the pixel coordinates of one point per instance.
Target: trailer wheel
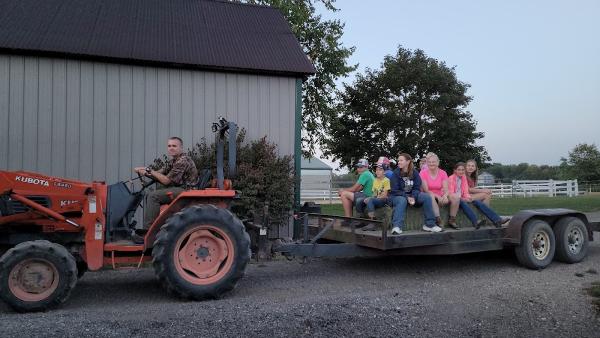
(571, 240)
(201, 252)
(538, 245)
(36, 276)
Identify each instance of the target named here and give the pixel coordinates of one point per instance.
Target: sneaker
(434, 228)
(502, 221)
(396, 231)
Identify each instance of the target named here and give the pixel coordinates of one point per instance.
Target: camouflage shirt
(182, 171)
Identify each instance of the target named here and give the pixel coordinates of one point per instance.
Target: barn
(90, 89)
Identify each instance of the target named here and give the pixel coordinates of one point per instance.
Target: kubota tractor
(52, 230)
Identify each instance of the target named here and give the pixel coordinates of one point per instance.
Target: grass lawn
(509, 206)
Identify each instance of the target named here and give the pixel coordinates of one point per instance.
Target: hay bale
(414, 217)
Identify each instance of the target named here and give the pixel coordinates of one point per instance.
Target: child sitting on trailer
(356, 194)
(381, 187)
(459, 188)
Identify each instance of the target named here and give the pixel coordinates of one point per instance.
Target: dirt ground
(476, 295)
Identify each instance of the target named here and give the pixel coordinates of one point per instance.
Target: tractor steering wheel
(145, 184)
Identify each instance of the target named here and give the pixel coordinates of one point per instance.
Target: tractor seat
(227, 185)
(205, 180)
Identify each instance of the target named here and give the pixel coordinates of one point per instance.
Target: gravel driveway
(468, 295)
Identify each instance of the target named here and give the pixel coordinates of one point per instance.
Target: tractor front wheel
(36, 276)
(201, 252)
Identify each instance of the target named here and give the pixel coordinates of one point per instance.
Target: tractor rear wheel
(201, 252)
(36, 275)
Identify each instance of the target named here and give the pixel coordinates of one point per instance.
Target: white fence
(319, 195)
(549, 188)
(533, 188)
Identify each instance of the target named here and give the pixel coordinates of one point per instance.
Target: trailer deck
(324, 236)
(412, 238)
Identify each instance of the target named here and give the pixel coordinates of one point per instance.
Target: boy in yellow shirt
(381, 186)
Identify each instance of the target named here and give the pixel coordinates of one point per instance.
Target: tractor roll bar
(225, 131)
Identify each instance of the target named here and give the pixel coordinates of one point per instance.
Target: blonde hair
(432, 155)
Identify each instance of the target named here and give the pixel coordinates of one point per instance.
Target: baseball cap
(362, 163)
(383, 160)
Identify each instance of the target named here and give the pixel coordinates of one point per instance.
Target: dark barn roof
(216, 35)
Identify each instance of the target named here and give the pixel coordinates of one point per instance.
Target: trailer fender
(512, 234)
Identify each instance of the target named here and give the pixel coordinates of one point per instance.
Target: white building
(315, 174)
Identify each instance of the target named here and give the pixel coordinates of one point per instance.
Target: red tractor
(52, 230)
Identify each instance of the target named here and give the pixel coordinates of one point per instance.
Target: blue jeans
(399, 203)
(359, 202)
(487, 211)
(375, 203)
(464, 206)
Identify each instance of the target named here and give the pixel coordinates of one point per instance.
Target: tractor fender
(512, 234)
(218, 198)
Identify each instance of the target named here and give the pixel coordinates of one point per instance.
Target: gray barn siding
(93, 120)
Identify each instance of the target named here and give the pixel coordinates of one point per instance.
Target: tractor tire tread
(60, 253)
(164, 238)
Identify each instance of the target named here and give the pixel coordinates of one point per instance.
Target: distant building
(486, 178)
(315, 174)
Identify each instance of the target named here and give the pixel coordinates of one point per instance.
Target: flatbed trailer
(537, 236)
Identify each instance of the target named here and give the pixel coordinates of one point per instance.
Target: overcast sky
(533, 66)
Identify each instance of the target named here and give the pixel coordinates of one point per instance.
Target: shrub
(263, 177)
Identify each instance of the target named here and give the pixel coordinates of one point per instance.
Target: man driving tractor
(178, 174)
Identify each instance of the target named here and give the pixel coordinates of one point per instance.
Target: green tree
(523, 171)
(321, 41)
(583, 163)
(413, 104)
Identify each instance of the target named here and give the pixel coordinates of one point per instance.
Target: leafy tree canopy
(321, 41)
(523, 171)
(413, 104)
(583, 162)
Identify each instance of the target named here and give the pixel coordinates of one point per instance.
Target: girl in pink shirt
(478, 194)
(459, 188)
(435, 182)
